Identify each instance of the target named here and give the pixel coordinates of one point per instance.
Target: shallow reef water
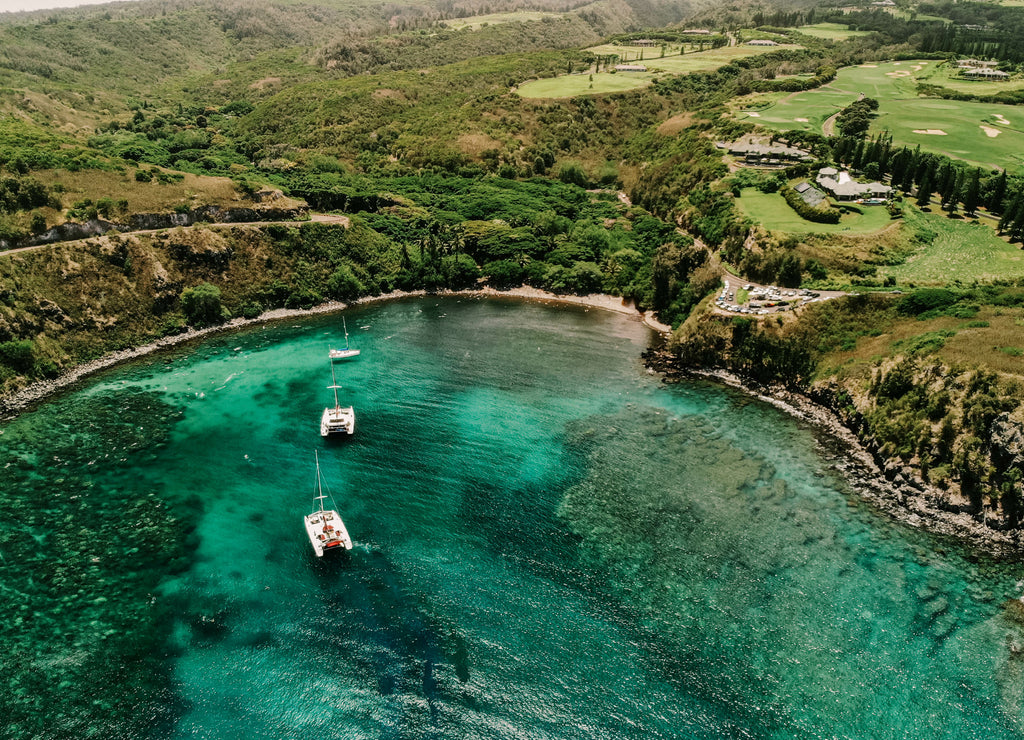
(549, 543)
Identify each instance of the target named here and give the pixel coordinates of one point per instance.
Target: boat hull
(327, 532)
(343, 354)
(337, 421)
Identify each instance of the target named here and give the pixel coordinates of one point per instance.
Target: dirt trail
(324, 218)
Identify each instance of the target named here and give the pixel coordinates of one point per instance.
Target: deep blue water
(550, 543)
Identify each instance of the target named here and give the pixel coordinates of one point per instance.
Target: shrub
(503, 274)
(19, 355)
(343, 285)
(462, 272)
(251, 310)
(810, 213)
(584, 277)
(926, 299)
(202, 305)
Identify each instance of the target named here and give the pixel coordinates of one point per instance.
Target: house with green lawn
(841, 186)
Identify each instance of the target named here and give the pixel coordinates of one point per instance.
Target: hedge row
(810, 213)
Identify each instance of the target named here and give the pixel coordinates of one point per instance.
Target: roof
(985, 72)
(859, 188)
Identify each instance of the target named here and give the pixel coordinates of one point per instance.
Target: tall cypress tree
(907, 183)
(924, 188)
(945, 178)
(997, 194)
(951, 188)
(972, 193)
(1011, 212)
(1017, 228)
(842, 148)
(884, 156)
(899, 165)
(857, 161)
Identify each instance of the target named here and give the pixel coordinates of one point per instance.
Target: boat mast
(319, 486)
(345, 324)
(335, 386)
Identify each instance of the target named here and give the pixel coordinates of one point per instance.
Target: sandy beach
(39, 390)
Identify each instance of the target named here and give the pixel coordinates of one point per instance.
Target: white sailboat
(336, 419)
(325, 528)
(347, 352)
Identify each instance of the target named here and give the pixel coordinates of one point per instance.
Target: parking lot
(759, 300)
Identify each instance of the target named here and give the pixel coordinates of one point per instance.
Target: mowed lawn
(985, 134)
(955, 249)
(771, 211)
(565, 86)
(833, 31)
(492, 19)
(568, 86)
(948, 75)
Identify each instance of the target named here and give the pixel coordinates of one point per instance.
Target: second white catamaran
(337, 419)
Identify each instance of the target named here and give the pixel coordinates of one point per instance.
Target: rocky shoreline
(899, 493)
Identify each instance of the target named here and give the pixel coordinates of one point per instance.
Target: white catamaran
(324, 526)
(347, 352)
(335, 419)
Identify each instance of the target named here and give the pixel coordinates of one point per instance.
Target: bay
(550, 543)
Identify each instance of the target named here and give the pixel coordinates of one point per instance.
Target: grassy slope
(956, 249)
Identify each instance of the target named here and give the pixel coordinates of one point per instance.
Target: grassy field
(692, 61)
(987, 340)
(565, 86)
(985, 134)
(947, 75)
(955, 249)
(833, 31)
(492, 19)
(772, 212)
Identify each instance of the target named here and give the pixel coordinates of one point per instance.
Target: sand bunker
(867, 66)
(991, 132)
(1002, 120)
(753, 115)
(931, 131)
(801, 120)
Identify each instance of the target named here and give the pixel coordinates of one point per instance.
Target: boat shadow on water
(388, 634)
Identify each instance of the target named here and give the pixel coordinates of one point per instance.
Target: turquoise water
(550, 543)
